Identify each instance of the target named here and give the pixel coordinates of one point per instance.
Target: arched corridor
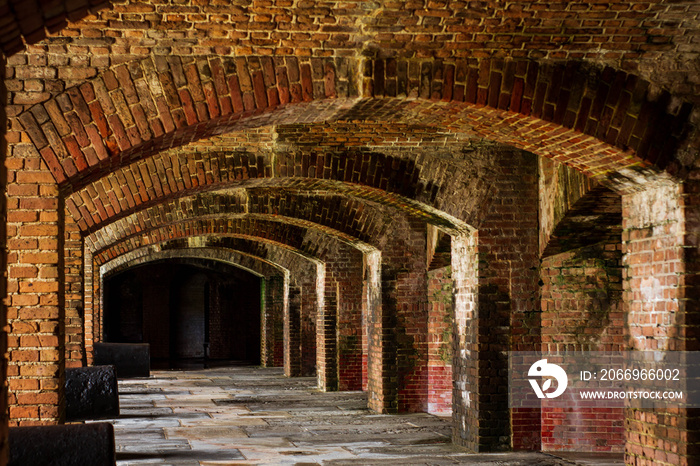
(390, 198)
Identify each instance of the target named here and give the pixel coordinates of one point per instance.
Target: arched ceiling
(350, 221)
(305, 241)
(608, 124)
(656, 40)
(175, 103)
(420, 181)
(255, 265)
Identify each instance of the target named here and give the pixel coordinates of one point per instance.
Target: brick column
(465, 343)
(340, 329)
(350, 325)
(660, 293)
(4, 424)
(89, 300)
(75, 326)
(36, 287)
(400, 326)
(440, 328)
(311, 301)
(97, 305)
(366, 306)
(381, 352)
(292, 333)
(326, 341)
(500, 314)
(272, 337)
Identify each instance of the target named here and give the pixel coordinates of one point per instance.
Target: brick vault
(421, 186)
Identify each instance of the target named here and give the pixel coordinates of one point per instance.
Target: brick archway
(310, 266)
(601, 122)
(246, 261)
(587, 116)
(287, 234)
(270, 269)
(391, 179)
(139, 109)
(359, 224)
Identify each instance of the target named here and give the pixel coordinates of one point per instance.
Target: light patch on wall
(652, 292)
(653, 206)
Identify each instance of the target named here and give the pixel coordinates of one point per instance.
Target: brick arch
(603, 122)
(253, 264)
(421, 183)
(593, 218)
(575, 211)
(138, 109)
(281, 266)
(599, 121)
(299, 239)
(356, 223)
(298, 233)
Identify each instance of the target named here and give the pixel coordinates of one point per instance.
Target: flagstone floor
(248, 415)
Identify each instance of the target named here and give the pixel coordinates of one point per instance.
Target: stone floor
(249, 415)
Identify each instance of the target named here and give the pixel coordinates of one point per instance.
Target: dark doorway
(188, 311)
(193, 312)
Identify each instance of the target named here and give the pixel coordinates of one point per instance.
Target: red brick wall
(74, 326)
(582, 310)
(440, 328)
(4, 446)
(36, 307)
(655, 224)
(273, 327)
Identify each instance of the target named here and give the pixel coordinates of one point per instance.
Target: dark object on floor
(63, 445)
(91, 393)
(130, 359)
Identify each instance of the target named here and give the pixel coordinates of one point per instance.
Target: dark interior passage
(191, 311)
